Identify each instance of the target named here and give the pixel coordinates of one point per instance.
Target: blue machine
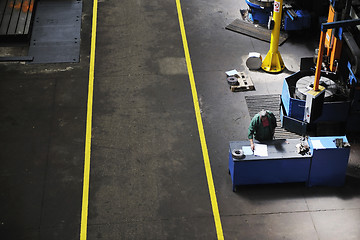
(340, 74)
(292, 111)
(301, 20)
(293, 20)
(259, 14)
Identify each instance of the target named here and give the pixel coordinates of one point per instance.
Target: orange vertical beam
(331, 18)
(319, 61)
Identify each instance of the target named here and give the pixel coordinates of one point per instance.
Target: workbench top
(277, 149)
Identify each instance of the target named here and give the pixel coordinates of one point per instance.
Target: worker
(262, 127)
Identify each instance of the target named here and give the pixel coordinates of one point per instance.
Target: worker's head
(264, 118)
(263, 114)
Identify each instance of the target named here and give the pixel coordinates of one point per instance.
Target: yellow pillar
(273, 61)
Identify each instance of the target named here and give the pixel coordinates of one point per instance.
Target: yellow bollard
(273, 61)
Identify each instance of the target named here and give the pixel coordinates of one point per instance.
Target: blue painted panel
(329, 164)
(303, 21)
(259, 14)
(327, 142)
(294, 107)
(272, 171)
(285, 97)
(231, 169)
(283, 164)
(335, 111)
(297, 108)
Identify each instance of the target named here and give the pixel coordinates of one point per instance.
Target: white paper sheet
(261, 150)
(317, 144)
(231, 73)
(247, 150)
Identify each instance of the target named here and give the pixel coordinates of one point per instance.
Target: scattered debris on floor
(238, 81)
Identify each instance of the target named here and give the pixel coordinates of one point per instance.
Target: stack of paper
(261, 150)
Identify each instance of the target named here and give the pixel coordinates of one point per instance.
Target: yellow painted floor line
(209, 177)
(86, 180)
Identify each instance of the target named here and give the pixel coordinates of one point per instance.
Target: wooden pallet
(245, 83)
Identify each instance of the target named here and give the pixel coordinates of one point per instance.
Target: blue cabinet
(329, 163)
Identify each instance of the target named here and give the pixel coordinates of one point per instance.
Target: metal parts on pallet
(240, 82)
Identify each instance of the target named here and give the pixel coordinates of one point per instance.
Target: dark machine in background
(336, 73)
(297, 15)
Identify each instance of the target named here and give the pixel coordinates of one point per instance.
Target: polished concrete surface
(147, 177)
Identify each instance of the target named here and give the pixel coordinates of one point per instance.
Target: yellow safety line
(85, 197)
(209, 177)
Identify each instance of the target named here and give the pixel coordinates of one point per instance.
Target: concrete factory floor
(147, 176)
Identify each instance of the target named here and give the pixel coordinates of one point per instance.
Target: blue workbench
(324, 165)
(283, 164)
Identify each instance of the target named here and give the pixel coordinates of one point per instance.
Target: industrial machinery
(325, 99)
(295, 16)
(260, 10)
